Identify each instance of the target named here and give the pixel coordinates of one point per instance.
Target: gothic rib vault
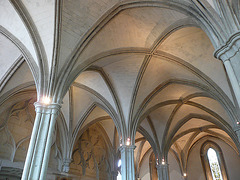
(144, 81)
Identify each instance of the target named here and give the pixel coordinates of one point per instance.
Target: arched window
(213, 162)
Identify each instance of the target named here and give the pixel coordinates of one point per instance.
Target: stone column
(162, 171)
(36, 162)
(233, 79)
(127, 158)
(228, 54)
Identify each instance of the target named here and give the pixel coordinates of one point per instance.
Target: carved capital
(66, 165)
(162, 166)
(47, 108)
(127, 148)
(237, 131)
(229, 49)
(114, 173)
(237, 128)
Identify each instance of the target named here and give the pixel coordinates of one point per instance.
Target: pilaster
(40, 144)
(127, 158)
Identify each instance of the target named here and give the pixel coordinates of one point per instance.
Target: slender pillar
(233, 79)
(229, 54)
(162, 171)
(36, 163)
(127, 158)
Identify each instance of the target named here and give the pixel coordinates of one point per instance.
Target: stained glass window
(214, 164)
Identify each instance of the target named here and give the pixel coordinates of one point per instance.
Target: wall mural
(91, 156)
(16, 124)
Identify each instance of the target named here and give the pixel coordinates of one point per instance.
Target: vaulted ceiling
(143, 66)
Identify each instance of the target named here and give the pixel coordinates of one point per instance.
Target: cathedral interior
(119, 89)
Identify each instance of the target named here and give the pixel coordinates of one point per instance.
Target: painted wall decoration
(91, 155)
